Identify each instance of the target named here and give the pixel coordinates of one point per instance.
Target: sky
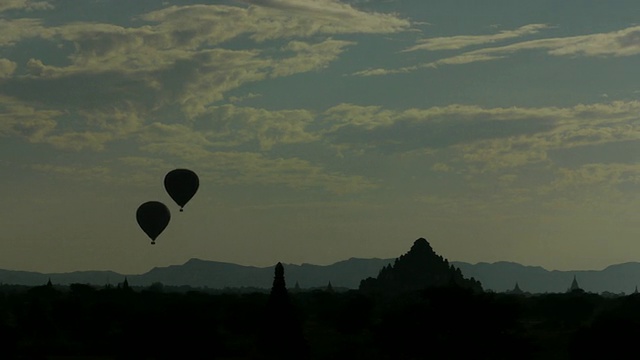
(320, 130)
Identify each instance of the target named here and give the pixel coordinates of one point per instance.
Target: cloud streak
(612, 44)
(307, 17)
(28, 5)
(24, 121)
(462, 41)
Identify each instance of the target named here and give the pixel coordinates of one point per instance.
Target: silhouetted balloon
(181, 184)
(153, 217)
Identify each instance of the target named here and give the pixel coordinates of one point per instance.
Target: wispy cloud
(250, 168)
(307, 17)
(100, 128)
(612, 44)
(616, 43)
(15, 30)
(582, 125)
(271, 19)
(24, 121)
(28, 5)
(229, 125)
(599, 174)
(462, 41)
(482, 139)
(465, 58)
(308, 57)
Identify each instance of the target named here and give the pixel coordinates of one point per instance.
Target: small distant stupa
(329, 288)
(574, 285)
(516, 290)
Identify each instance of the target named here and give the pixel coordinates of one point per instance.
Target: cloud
(573, 127)
(295, 173)
(380, 71)
(98, 173)
(441, 167)
(101, 127)
(366, 117)
(597, 174)
(250, 168)
(504, 205)
(229, 125)
(197, 27)
(175, 57)
(481, 139)
(173, 135)
(77, 141)
(13, 31)
(25, 4)
(302, 18)
(308, 57)
(7, 68)
(497, 154)
(437, 127)
(68, 130)
(462, 41)
(193, 81)
(120, 121)
(314, 8)
(462, 59)
(24, 121)
(107, 47)
(238, 99)
(625, 42)
(267, 20)
(616, 43)
(205, 78)
(454, 60)
(219, 71)
(594, 186)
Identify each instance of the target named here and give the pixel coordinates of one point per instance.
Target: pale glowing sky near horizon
(503, 130)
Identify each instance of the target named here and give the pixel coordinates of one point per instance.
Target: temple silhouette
(418, 269)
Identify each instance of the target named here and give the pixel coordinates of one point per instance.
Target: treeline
(152, 323)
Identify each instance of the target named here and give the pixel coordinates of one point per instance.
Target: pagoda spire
(279, 287)
(516, 289)
(329, 288)
(281, 323)
(574, 285)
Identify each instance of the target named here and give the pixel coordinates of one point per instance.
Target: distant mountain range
(499, 276)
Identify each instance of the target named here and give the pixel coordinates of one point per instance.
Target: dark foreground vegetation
(84, 322)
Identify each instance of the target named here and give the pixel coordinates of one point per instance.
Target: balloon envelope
(181, 184)
(153, 217)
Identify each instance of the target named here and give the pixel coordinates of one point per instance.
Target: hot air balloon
(181, 184)
(153, 217)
